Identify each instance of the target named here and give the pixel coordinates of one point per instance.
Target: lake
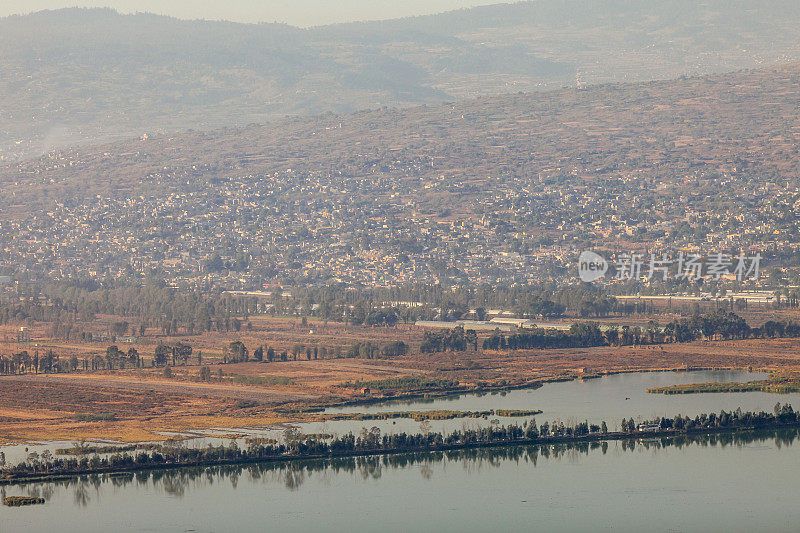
(656, 485)
(702, 484)
(608, 398)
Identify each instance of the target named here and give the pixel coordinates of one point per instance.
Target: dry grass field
(145, 402)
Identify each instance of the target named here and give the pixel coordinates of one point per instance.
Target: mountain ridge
(686, 125)
(85, 76)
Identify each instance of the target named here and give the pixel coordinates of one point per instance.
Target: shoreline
(314, 413)
(22, 479)
(531, 384)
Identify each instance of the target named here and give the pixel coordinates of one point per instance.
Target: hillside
(83, 76)
(485, 190)
(742, 124)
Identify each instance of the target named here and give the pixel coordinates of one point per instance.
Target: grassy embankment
(778, 383)
(18, 501)
(441, 414)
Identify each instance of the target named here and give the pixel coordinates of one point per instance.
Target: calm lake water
(609, 398)
(747, 483)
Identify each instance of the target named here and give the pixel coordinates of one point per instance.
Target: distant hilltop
(77, 76)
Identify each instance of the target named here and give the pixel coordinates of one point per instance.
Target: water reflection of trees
(81, 494)
(292, 475)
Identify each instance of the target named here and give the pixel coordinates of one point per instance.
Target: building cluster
(251, 232)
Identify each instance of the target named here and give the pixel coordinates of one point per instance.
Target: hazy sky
(295, 12)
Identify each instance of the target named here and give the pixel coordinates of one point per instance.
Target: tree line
(181, 353)
(372, 441)
(67, 305)
(718, 324)
(454, 340)
(579, 335)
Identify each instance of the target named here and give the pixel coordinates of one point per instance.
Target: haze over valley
(88, 75)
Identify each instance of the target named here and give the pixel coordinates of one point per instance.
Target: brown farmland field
(145, 402)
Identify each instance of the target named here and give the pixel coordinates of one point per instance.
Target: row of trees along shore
(372, 441)
(175, 481)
